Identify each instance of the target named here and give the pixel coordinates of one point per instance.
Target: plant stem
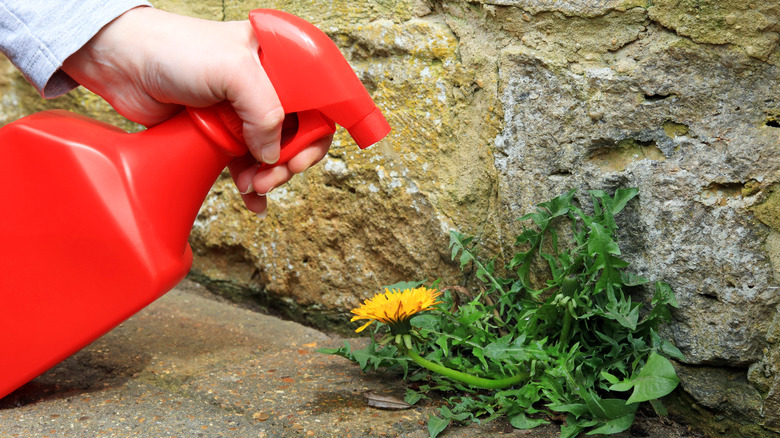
(481, 267)
(478, 382)
(566, 328)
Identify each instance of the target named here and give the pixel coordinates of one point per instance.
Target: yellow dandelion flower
(396, 308)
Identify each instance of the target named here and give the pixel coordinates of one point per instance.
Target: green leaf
(577, 409)
(671, 350)
(477, 352)
(458, 243)
(664, 295)
(470, 314)
(628, 319)
(632, 279)
(401, 285)
(559, 205)
(443, 343)
(607, 408)
(345, 351)
(622, 196)
(412, 396)
(655, 380)
(362, 357)
(501, 350)
(621, 386)
(659, 408)
(609, 377)
(571, 428)
(616, 408)
(520, 421)
(425, 321)
(437, 425)
(615, 425)
(540, 218)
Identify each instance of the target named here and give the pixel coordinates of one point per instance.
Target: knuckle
(273, 118)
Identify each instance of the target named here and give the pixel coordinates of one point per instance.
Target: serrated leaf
(458, 243)
(540, 218)
(559, 205)
(477, 352)
(664, 295)
(412, 396)
(629, 320)
(470, 315)
(437, 425)
(465, 257)
(632, 279)
(622, 196)
(362, 357)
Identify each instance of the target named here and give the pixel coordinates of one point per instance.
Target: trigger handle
(312, 125)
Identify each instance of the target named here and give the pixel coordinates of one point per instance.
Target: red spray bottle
(104, 232)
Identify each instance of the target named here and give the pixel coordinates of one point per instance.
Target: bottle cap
(370, 130)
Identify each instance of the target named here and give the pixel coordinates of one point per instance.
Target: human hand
(148, 63)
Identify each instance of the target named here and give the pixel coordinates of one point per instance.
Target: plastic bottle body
(94, 228)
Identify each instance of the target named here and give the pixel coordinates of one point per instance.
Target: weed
(578, 349)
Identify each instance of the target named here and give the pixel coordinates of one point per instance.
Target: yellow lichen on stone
(751, 26)
(206, 9)
(334, 14)
(768, 211)
(617, 159)
(675, 130)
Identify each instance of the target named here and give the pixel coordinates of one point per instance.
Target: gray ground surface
(193, 366)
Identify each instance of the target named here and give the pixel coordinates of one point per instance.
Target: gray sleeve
(39, 35)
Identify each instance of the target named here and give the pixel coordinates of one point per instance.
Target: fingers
(255, 101)
(154, 112)
(267, 179)
(254, 183)
(311, 155)
(242, 169)
(255, 203)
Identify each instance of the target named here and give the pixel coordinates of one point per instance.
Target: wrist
(110, 55)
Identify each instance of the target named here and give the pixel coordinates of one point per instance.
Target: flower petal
(363, 327)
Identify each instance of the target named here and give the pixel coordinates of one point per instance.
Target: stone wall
(499, 105)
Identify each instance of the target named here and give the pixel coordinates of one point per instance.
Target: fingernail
(262, 214)
(250, 188)
(266, 193)
(269, 154)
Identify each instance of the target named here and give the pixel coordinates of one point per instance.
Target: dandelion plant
(582, 349)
